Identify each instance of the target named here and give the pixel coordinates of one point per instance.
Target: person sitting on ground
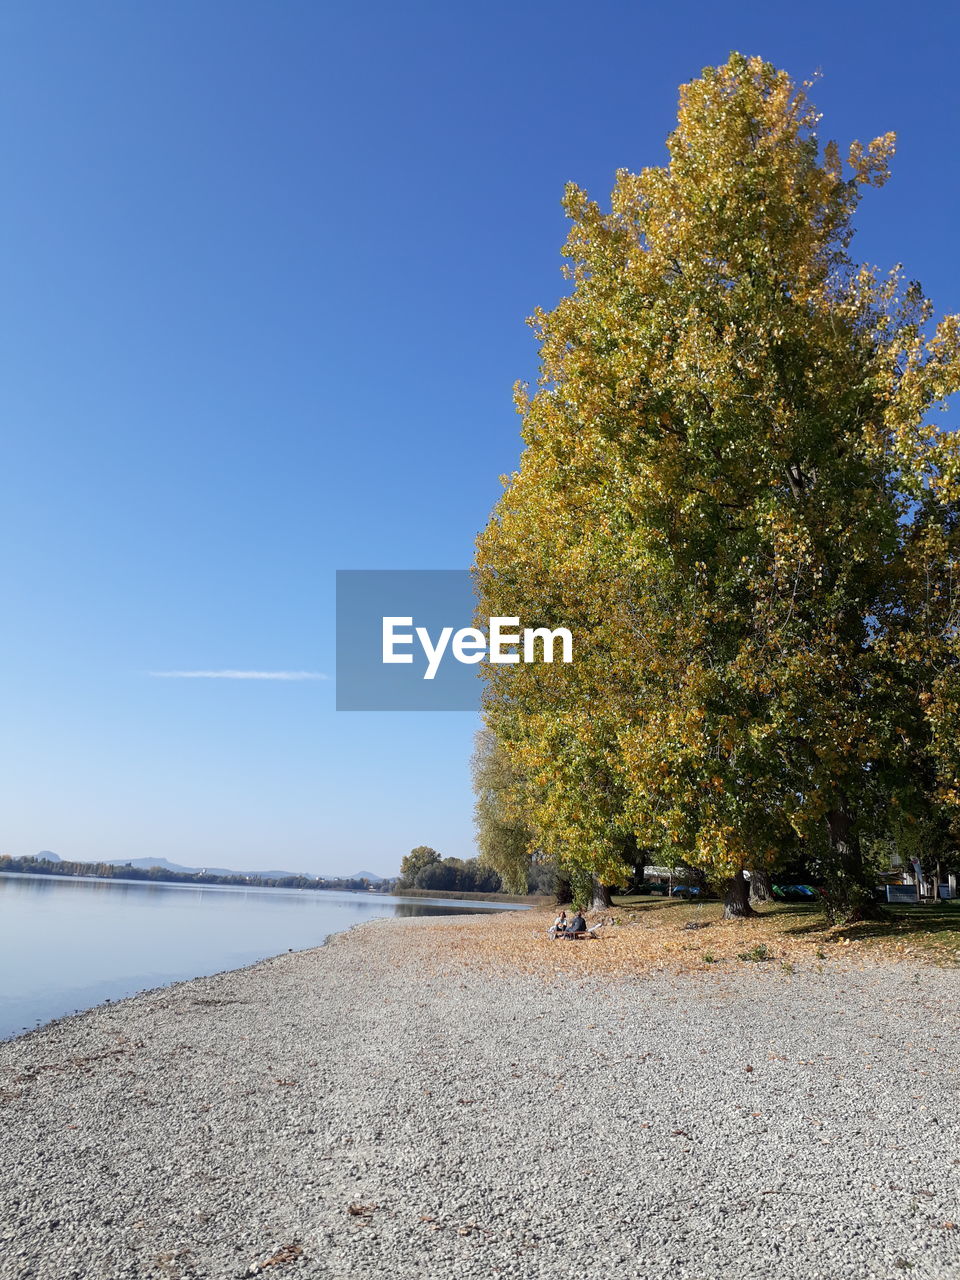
(577, 925)
(559, 925)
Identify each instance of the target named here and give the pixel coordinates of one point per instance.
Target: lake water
(67, 944)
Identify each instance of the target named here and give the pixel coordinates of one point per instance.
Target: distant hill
(165, 864)
(49, 856)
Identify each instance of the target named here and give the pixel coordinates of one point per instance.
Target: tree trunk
(736, 903)
(761, 886)
(601, 897)
(562, 891)
(849, 893)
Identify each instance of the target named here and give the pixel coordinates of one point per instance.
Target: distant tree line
(109, 871)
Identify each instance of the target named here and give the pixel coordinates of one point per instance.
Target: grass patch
(757, 954)
(798, 930)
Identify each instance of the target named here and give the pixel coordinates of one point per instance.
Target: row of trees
(735, 492)
(111, 871)
(423, 868)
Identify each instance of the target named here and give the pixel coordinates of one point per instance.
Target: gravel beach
(383, 1106)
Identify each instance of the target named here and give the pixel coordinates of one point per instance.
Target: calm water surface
(67, 944)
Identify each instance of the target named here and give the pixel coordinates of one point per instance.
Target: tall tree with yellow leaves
(733, 493)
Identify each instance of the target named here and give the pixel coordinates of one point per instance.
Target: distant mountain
(367, 875)
(49, 856)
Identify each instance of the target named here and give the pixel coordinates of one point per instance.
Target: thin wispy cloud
(238, 675)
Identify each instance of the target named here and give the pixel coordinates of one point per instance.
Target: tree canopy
(423, 868)
(417, 860)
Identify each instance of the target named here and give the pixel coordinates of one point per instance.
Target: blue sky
(265, 268)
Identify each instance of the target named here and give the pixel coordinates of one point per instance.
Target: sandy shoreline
(483, 1121)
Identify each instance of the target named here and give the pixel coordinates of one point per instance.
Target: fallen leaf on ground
(288, 1253)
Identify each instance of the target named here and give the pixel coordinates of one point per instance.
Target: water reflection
(68, 943)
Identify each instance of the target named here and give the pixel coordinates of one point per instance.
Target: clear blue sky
(265, 268)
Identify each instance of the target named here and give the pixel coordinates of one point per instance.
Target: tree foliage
(414, 862)
(423, 868)
(503, 836)
(462, 875)
(733, 491)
